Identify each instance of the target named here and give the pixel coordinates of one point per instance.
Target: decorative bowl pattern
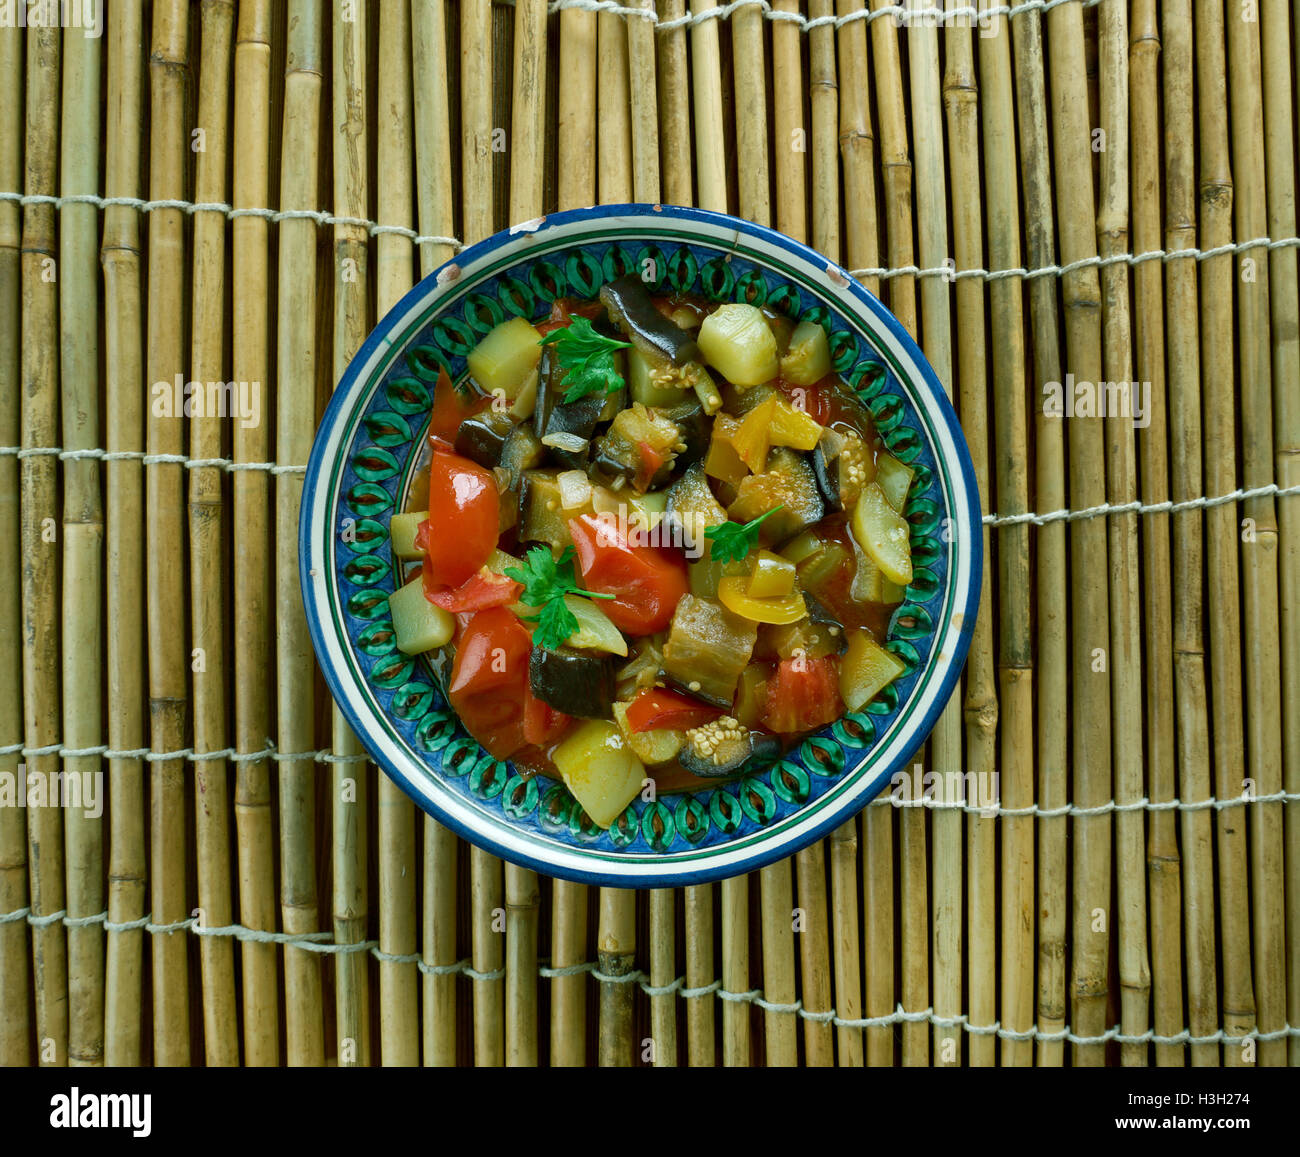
(363, 461)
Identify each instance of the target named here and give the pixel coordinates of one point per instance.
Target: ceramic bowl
(366, 453)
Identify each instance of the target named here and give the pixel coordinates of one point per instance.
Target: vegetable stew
(653, 537)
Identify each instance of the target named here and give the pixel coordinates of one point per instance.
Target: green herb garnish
(733, 540)
(546, 580)
(587, 358)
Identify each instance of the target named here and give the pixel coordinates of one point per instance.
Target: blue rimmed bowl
(361, 468)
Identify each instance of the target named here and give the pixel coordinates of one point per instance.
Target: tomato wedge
(481, 590)
(464, 520)
(489, 685)
(803, 694)
(647, 582)
(491, 648)
(815, 400)
(450, 409)
(655, 709)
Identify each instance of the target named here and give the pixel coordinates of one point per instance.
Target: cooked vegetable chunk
(633, 312)
(723, 747)
(505, 357)
(417, 624)
(788, 483)
(865, 670)
(884, 535)
(739, 344)
(401, 531)
(653, 746)
(707, 649)
(576, 682)
(600, 768)
(808, 359)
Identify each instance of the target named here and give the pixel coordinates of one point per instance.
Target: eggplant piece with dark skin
(827, 472)
(723, 747)
(695, 427)
(579, 683)
(579, 418)
(633, 311)
(482, 437)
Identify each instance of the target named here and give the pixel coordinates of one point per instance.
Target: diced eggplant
(555, 416)
(723, 747)
(695, 428)
(576, 682)
(691, 503)
(788, 482)
(641, 448)
(842, 464)
(541, 517)
(707, 649)
(482, 436)
(633, 312)
(522, 451)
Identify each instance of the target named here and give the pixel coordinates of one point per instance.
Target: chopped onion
(575, 489)
(563, 441)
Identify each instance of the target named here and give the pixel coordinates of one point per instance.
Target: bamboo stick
(351, 324)
(252, 596)
(15, 1026)
(613, 125)
(433, 179)
(791, 216)
(896, 169)
(1089, 598)
(1014, 714)
(674, 104)
(711, 187)
(439, 945)
(124, 563)
(1279, 121)
(295, 412)
(980, 706)
(527, 170)
(1049, 488)
(663, 971)
(1162, 851)
(206, 523)
(486, 886)
(616, 931)
(434, 196)
(39, 551)
(394, 273)
(164, 526)
(675, 93)
(1186, 473)
(577, 122)
(775, 881)
(83, 539)
(644, 104)
(1237, 1002)
(615, 957)
(846, 997)
(946, 754)
(878, 859)
(1259, 553)
(577, 188)
(1121, 487)
(857, 146)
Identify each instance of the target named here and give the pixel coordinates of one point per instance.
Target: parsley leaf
(546, 580)
(587, 357)
(733, 540)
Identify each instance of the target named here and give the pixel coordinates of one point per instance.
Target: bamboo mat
(1065, 192)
